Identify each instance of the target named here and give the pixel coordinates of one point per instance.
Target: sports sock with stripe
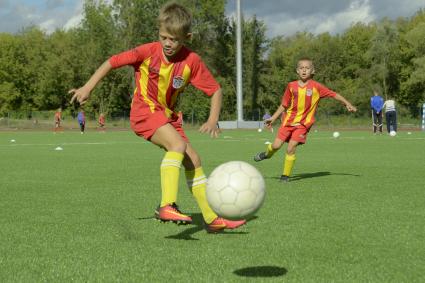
(270, 151)
(170, 173)
(288, 164)
(197, 183)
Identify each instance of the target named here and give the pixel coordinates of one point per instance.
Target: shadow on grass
(198, 222)
(197, 225)
(301, 176)
(261, 271)
(187, 234)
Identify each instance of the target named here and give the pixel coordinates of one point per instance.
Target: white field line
(227, 139)
(69, 143)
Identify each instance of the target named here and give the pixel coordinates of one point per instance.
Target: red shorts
(145, 125)
(297, 133)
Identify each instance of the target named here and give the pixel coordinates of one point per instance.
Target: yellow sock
(170, 172)
(270, 151)
(197, 183)
(289, 164)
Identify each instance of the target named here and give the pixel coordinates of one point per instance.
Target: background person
(376, 103)
(81, 117)
(101, 122)
(390, 115)
(58, 119)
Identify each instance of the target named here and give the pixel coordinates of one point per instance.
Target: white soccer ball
(336, 134)
(235, 190)
(12, 140)
(260, 130)
(393, 133)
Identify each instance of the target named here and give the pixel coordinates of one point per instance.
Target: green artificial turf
(353, 212)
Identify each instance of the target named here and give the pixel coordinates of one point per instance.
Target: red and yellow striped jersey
(158, 82)
(301, 102)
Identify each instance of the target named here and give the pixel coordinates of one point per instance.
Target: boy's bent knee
(277, 144)
(179, 146)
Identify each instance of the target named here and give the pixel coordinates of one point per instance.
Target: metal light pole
(239, 95)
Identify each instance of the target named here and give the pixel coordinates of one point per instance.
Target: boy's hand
(81, 95)
(210, 128)
(351, 108)
(268, 123)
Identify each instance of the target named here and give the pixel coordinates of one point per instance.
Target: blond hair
(305, 58)
(175, 19)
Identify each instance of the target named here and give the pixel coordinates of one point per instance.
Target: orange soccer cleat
(171, 213)
(219, 224)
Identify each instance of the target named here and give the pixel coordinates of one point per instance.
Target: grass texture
(353, 212)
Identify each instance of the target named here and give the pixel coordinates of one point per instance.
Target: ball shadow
(261, 271)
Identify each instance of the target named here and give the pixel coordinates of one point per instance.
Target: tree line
(37, 69)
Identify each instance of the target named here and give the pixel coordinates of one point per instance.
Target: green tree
(98, 39)
(413, 87)
(383, 55)
(254, 47)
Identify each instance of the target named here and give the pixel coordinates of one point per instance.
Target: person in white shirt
(390, 115)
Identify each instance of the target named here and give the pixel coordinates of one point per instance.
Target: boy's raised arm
(83, 93)
(277, 114)
(347, 104)
(210, 126)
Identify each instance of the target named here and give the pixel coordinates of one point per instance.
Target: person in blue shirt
(267, 116)
(377, 103)
(81, 121)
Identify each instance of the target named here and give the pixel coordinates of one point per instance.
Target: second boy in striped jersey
(162, 70)
(299, 103)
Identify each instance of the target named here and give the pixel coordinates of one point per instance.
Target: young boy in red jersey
(162, 70)
(299, 103)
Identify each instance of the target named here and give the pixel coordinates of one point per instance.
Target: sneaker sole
(223, 229)
(178, 222)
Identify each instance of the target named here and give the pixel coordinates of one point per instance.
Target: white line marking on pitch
(71, 143)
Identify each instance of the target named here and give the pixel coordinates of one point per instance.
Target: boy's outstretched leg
(197, 181)
(270, 150)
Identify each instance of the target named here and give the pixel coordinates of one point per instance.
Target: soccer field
(353, 212)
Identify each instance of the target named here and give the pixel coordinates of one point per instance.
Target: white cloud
(286, 17)
(358, 11)
(48, 25)
(286, 24)
(76, 17)
(282, 17)
(73, 22)
(47, 14)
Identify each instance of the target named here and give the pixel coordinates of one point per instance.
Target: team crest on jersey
(178, 82)
(309, 92)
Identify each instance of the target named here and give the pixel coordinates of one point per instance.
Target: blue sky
(282, 17)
